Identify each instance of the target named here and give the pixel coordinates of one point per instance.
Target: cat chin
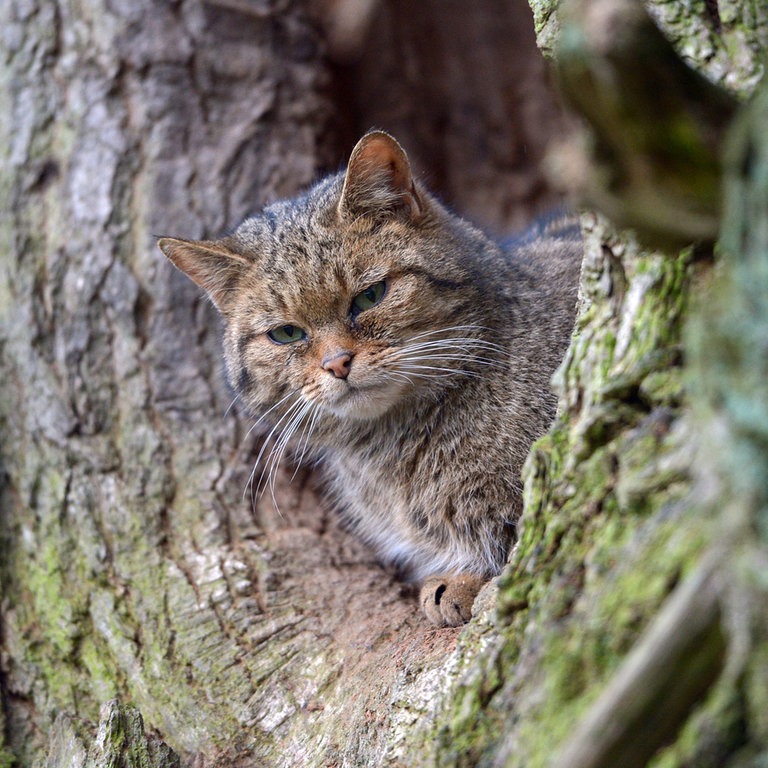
(363, 404)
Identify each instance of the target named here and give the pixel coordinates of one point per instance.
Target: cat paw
(446, 599)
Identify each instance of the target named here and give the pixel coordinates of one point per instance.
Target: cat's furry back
(401, 345)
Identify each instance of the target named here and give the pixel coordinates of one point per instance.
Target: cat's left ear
(209, 263)
(378, 181)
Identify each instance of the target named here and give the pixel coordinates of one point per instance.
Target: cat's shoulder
(550, 248)
(558, 226)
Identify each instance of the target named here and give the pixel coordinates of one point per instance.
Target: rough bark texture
(137, 576)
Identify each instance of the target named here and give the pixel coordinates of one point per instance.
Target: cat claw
(447, 599)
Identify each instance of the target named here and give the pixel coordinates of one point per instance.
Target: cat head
(349, 300)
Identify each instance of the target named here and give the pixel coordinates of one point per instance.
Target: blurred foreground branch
(717, 618)
(667, 673)
(651, 159)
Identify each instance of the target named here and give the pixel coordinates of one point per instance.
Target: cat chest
(390, 500)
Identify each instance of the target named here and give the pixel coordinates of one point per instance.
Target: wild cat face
(354, 325)
(344, 302)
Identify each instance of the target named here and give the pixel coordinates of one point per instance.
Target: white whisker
(399, 375)
(429, 375)
(276, 454)
(290, 410)
(461, 358)
(441, 354)
(229, 407)
(290, 431)
(304, 439)
(440, 334)
(452, 328)
(467, 348)
(444, 372)
(414, 341)
(267, 412)
(415, 366)
(460, 354)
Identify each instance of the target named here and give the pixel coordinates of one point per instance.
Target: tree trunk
(138, 573)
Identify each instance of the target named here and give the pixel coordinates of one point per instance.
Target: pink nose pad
(338, 364)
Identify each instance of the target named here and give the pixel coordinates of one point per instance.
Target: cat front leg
(447, 598)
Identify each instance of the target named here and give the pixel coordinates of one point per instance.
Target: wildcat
(404, 348)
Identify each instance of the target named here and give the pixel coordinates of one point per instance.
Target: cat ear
(210, 263)
(378, 181)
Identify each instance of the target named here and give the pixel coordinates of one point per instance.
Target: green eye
(368, 298)
(286, 334)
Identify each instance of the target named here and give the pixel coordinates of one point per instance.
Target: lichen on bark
(723, 39)
(729, 368)
(120, 741)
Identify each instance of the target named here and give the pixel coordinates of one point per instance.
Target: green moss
(105, 679)
(664, 387)
(614, 605)
(121, 741)
(52, 601)
(587, 577)
(546, 24)
(712, 735)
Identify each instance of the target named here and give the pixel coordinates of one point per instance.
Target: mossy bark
(136, 578)
(135, 568)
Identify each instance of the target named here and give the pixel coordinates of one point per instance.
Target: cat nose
(338, 363)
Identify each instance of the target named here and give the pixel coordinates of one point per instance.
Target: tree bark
(139, 576)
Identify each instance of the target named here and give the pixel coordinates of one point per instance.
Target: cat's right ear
(209, 263)
(378, 181)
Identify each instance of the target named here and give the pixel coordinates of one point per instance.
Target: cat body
(378, 332)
